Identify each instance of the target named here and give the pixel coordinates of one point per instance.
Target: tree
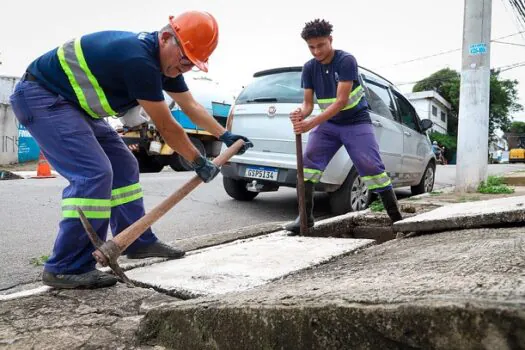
(503, 97)
(516, 128)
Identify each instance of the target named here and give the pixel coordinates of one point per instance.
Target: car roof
(300, 68)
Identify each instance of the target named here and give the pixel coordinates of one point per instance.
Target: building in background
(431, 105)
(16, 144)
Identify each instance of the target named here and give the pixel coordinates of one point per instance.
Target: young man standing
(332, 76)
(62, 100)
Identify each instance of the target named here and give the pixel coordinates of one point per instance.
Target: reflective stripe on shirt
(353, 99)
(90, 95)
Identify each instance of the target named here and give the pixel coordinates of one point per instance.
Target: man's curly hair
(316, 28)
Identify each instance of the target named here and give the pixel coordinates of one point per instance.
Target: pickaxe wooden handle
(108, 252)
(303, 228)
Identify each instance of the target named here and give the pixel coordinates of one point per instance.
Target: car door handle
(407, 133)
(376, 123)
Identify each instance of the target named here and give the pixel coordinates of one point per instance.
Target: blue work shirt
(323, 80)
(126, 65)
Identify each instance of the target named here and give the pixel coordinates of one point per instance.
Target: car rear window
(279, 87)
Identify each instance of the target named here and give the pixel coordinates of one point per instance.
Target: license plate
(262, 173)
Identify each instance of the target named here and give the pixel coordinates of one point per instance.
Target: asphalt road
(30, 211)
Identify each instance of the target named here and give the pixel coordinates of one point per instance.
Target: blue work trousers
(103, 174)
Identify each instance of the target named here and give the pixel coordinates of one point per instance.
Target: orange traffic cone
(43, 170)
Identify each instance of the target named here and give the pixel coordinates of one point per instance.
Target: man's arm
(171, 131)
(308, 103)
(301, 125)
(197, 113)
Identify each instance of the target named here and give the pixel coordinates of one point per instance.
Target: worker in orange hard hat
(62, 100)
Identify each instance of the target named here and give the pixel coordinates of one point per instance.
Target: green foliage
(448, 141)
(377, 206)
(40, 261)
(517, 127)
(494, 185)
(503, 97)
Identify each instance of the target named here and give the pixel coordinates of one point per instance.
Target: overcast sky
(256, 35)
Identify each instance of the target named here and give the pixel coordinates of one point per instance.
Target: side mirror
(426, 124)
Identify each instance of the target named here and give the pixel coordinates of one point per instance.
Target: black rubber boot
(295, 226)
(389, 200)
(156, 250)
(89, 280)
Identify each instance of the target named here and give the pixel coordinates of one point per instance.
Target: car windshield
(279, 87)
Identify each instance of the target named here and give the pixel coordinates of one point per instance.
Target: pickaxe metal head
(106, 253)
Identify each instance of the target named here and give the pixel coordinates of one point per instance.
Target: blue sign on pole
(478, 49)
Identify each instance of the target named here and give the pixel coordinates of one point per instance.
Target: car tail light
(229, 120)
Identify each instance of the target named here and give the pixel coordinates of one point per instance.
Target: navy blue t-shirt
(126, 65)
(323, 79)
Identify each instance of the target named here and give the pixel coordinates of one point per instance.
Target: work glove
(205, 169)
(229, 139)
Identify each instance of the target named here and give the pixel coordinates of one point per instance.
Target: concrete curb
(425, 325)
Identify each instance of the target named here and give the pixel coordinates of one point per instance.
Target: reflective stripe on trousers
(353, 99)
(90, 95)
(377, 182)
(312, 175)
(100, 208)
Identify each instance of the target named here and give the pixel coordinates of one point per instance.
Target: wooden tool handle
(131, 233)
(303, 228)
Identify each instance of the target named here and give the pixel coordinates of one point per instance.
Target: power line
(444, 52)
(507, 43)
(516, 21)
(436, 79)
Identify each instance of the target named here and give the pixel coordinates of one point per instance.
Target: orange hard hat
(198, 34)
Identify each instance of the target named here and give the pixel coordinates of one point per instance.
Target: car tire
(353, 195)
(427, 181)
(237, 189)
(178, 163)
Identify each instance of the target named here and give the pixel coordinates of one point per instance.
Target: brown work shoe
(156, 250)
(89, 280)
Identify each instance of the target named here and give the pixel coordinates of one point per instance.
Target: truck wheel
(148, 164)
(178, 163)
(427, 181)
(237, 189)
(353, 195)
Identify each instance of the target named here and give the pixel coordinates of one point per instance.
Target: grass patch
(494, 185)
(40, 261)
(435, 193)
(377, 206)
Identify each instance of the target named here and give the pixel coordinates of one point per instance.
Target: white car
(261, 113)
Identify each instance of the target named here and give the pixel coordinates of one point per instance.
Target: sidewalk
(455, 289)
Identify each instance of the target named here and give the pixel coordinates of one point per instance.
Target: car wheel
(353, 195)
(426, 184)
(178, 163)
(237, 189)
(148, 164)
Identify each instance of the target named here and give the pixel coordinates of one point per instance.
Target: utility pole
(474, 96)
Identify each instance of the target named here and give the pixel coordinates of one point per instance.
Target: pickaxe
(108, 252)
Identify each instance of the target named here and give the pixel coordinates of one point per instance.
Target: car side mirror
(426, 124)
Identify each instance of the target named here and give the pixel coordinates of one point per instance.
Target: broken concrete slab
(243, 264)
(76, 319)
(467, 215)
(453, 290)
(8, 175)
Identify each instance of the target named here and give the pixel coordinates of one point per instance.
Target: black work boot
(89, 280)
(156, 250)
(295, 226)
(389, 200)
